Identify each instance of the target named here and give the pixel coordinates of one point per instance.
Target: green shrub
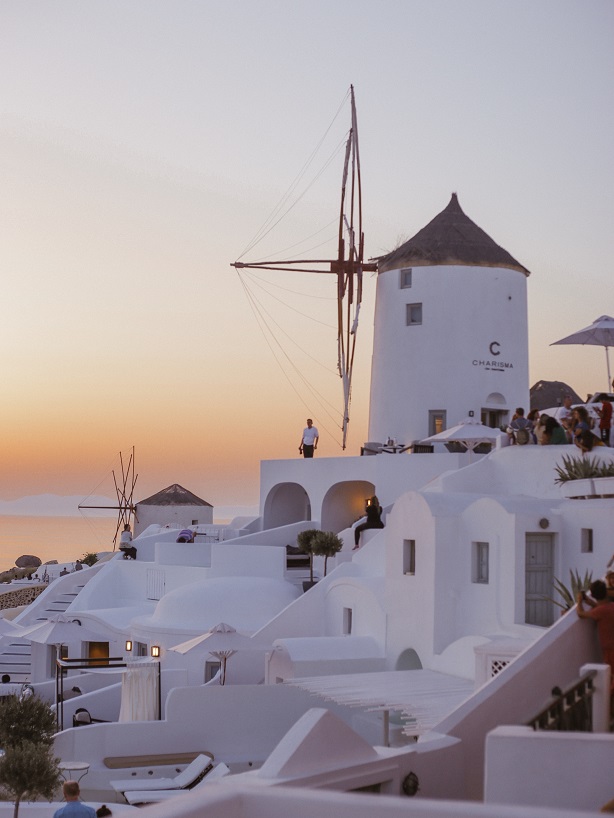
(326, 544)
(305, 543)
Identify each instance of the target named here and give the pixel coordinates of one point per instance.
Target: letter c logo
(492, 349)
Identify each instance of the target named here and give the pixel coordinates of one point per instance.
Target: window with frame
(586, 542)
(405, 277)
(409, 557)
(437, 421)
(413, 314)
(140, 649)
(480, 562)
(347, 621)
(211, 669)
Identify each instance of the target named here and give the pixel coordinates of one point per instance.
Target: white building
(173, 506)
(450, 332)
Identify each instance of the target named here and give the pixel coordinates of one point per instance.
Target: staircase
(15, 654)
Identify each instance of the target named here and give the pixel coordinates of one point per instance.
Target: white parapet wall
(570, 771)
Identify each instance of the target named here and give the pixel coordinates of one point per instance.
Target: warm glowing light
(155, 651)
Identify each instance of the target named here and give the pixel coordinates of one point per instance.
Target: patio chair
(184, 780)
(155, 796)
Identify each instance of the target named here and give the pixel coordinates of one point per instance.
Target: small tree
(29, 719)
(326, 544)
(89, 558)
(28, 770)
(304, 541)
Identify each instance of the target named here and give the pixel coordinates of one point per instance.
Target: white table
(69, 770)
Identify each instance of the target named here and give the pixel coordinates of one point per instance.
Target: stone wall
(20, 596)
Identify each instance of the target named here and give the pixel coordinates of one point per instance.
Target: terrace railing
(569, 710)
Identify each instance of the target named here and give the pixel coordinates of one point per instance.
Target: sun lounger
(184, 780)
(155, 796)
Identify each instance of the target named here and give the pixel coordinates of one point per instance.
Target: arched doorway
(494, 412)
(408, 660)
(286, 503)
(344, 503)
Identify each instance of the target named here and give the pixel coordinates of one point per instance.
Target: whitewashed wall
(472, 343)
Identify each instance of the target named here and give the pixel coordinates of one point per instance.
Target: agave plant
(577, 468)
(569, 594)
(606, 470)
(582, 468)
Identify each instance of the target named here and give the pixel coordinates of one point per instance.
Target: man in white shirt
(309, 439)
(563, 414)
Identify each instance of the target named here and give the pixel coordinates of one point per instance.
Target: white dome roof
(246, 603)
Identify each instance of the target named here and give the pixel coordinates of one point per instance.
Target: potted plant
(305, 542)
(326, 544)
(569, 594)
(577, 475)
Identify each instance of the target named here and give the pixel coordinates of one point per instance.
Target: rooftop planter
(585, 477)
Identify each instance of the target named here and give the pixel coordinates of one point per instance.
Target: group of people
(569, 425)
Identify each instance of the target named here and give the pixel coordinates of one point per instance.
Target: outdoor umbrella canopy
(599, 334)
(58, 630)
(469, 432)
(222, 641)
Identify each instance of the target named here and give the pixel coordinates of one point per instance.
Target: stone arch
(285, 504)
(408, 660)
(344, 503)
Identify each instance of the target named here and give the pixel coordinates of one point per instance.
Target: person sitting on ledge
(187, 535)
(125, 543)
(374, 519)
(586, 441)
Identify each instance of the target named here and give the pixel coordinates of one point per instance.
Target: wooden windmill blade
(348, 267)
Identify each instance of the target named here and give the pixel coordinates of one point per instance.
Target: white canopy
(424, 697)
(469, 431)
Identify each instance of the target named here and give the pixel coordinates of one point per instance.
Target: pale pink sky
(142, 146)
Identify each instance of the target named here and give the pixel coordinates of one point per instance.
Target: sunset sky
(142, 146)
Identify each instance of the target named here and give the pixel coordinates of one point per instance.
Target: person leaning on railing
(601, 609)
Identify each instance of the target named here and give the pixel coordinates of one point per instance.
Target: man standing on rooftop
(309, 439)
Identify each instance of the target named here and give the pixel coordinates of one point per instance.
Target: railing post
(601, 696)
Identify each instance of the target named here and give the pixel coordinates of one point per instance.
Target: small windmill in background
(124, 489)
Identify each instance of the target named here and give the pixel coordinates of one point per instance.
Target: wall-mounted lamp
(155, 651)
(471, 413)
(544, 522)
(128, 645)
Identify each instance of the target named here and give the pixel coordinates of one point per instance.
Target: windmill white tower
(451, 336)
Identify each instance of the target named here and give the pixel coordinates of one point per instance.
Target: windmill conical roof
(450, 238)
(174, 495)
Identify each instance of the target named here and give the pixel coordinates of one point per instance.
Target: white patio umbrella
(58, 630)
(222, 641)
(600, 334)
(470, 432)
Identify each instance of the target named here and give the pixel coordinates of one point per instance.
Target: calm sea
(53, 538)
